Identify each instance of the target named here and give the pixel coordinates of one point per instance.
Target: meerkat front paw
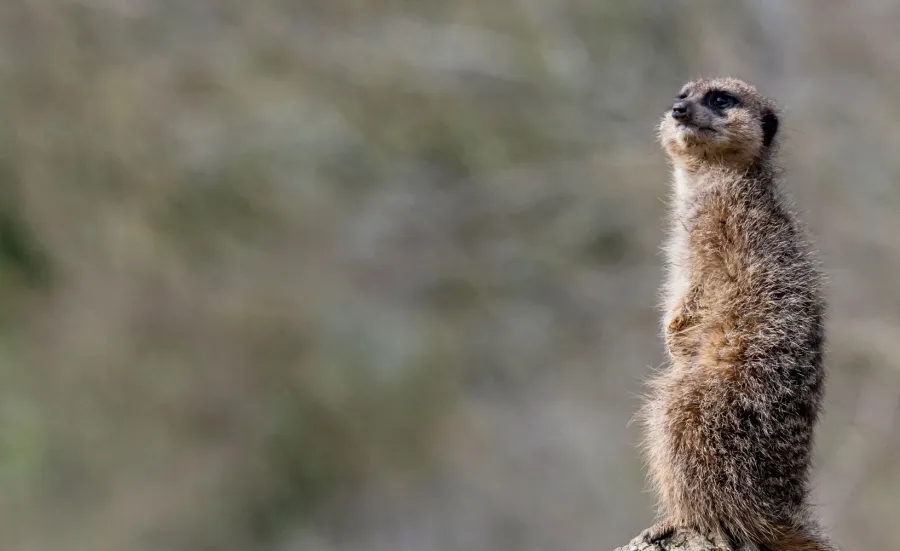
(676, 323)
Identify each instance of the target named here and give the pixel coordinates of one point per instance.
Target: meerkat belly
(708, 462)
(715, 467)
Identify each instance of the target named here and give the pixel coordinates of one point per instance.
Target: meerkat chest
(677, 247)
(679, 268)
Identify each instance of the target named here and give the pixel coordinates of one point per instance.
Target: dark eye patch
(719, 100)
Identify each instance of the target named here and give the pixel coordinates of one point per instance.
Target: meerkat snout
(681, 110)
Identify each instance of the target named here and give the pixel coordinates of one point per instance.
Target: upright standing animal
(729, 425)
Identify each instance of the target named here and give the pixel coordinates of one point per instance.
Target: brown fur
(730, 423)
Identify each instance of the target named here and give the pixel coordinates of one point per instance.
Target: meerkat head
(721, 122)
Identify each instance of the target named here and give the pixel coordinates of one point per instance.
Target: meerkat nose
(681, 110)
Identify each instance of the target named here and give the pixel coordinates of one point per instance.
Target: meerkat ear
(769, 128)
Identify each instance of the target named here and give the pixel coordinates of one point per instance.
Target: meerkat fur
(730, 422)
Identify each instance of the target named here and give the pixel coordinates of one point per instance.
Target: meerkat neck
(690, 182)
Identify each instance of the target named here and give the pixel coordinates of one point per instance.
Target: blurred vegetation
(337, 274)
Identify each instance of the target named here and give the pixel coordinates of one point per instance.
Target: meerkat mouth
(693, 134)
(693, 127)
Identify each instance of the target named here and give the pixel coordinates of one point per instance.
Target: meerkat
(729, 423)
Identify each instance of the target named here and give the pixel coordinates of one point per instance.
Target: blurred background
(382, 275)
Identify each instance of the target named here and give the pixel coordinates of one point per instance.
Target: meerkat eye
(682, 95)
(722, 100)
